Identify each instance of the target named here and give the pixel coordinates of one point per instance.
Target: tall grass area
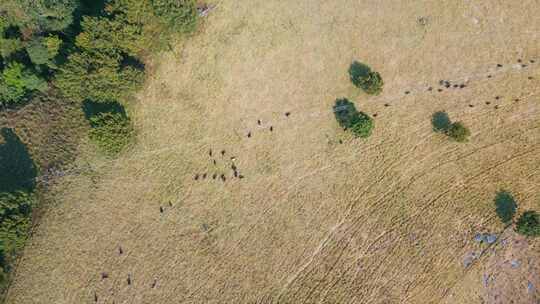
(69, 68)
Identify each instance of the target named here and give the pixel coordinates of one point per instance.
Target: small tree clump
(359, 123)
(529, 224)
(363, 77)
(458, 132)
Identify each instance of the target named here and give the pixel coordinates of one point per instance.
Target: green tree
(17, 82)
(529, 223)
(359, 123)
(458, 132)
(179, 15)
(111, 131)
(97, 77)
(44, 15)
(506, 206)
(363, 77)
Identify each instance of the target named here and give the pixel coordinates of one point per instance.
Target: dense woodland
(61, 60)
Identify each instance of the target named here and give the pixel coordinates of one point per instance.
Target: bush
(529, 224)
(363, 77)
(506, 206)
(458, 132)
(111, 128)
(349, 118)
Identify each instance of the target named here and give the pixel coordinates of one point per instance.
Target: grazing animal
(233, 166)
(519, 60)
(375, 114)
(471, 106)
(530, 77)
(235, 173)
(496, 107)
(95, 297)
(104, 275)
(129, 279)
(461, 86)
(214, 176)
(249, 135)
(204, 176)
(287, 114)
(441, 82)
(196, 177)
(170, 204)
(456, 85)
(499, 65)
(240, 176)
(517, 99)
(215, 163)
(259, 122)
(386, 104)
(223, 178)
(488, 103)
(161, 209)
(210, 152)
(222, 152)
(340, 141)
(531, 61)
(271, 128)
(523, 65)
(440, 90)
(430, 88)
(489, 76)
(497, 97)
(120, 251)
(407, 92)
(154, 283)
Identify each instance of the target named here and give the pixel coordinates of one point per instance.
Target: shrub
(111, 128)
(529, 224)
(363, 77)
(440, 122)
(458, 132)
(349, 118)
(506, 206)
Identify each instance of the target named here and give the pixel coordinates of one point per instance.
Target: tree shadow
(358, 71)
(440, 121)
(505, 205)
(92, 108)
(17, 169)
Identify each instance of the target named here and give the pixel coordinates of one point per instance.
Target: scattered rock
(514, 263)
(479, 237)
(530, 287)
(491, 238)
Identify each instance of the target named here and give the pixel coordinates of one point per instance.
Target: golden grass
(383, 220)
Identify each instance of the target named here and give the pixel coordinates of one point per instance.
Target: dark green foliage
(441, 122)
(363, 77)
(349, 118)
(458, 132)
(111, 128)
(506, 206)
(529, 223)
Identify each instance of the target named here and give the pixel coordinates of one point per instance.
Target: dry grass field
(388, 219)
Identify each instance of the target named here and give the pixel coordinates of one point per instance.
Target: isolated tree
(505, 206)
(363, 77)
(440, 122)
(16, 82)
(529, 223)
(458, 132)
(111, 131)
